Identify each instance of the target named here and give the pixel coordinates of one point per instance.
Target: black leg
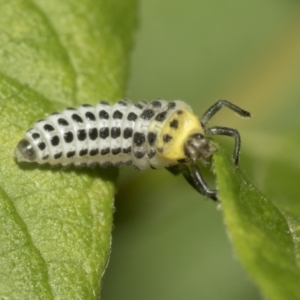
(196, 180)
(217, 106)
(184, 170)
(200, 184)
(217, 130)
(194, 177)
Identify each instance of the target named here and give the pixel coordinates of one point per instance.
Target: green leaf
(55, 224)
(201, 51)
(262, 235)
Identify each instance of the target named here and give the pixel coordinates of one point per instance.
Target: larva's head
(25, 151)
(198, 147)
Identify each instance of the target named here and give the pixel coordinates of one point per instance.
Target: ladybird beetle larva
(158, 134)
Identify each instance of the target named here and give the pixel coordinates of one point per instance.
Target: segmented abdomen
(122, 133)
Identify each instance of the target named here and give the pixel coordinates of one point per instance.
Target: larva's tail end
(25, 151)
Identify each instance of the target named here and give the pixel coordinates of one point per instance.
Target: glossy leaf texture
(55, 224)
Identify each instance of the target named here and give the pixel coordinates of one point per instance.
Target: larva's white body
(158, 134)
(102, 134)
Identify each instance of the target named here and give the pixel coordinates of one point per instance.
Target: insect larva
(158, 134)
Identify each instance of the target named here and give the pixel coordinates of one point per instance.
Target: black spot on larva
(139, 154)
(151, 154)
(48, 127)
(62, 122)
(104, 132)
(68, 137)
(106, 164)
(127, 150)
(171, 105)
(103, 115)
(167, 138)
(77, 118)
(156, 104)
(45, 157)
(132, 116)
(117, 115)
(179, 112)
(36, 136)
(116, 151)
(139, 138)
(86, 105)
(80, 166)
(161, 116)
(105, 151)
(94, 152)
(70, 108)
(138, 105)
(90, 116)
(42, 146)
(128, 162)
(104, 102)
(93, 165)
(147, 114)
(93, 133)
(115, 132)
(174, 124)
(54, 140)
(118, 163)
(124, 103)
(83, 152)
(54, 113)
(81, 134)
(151, 138)
(127, 133)
(161, 149)
(58, 155)
(70, 154)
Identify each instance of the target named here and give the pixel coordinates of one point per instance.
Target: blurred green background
(170, 242)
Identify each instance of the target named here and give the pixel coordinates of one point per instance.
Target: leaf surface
(261, 233)
(55, 223)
